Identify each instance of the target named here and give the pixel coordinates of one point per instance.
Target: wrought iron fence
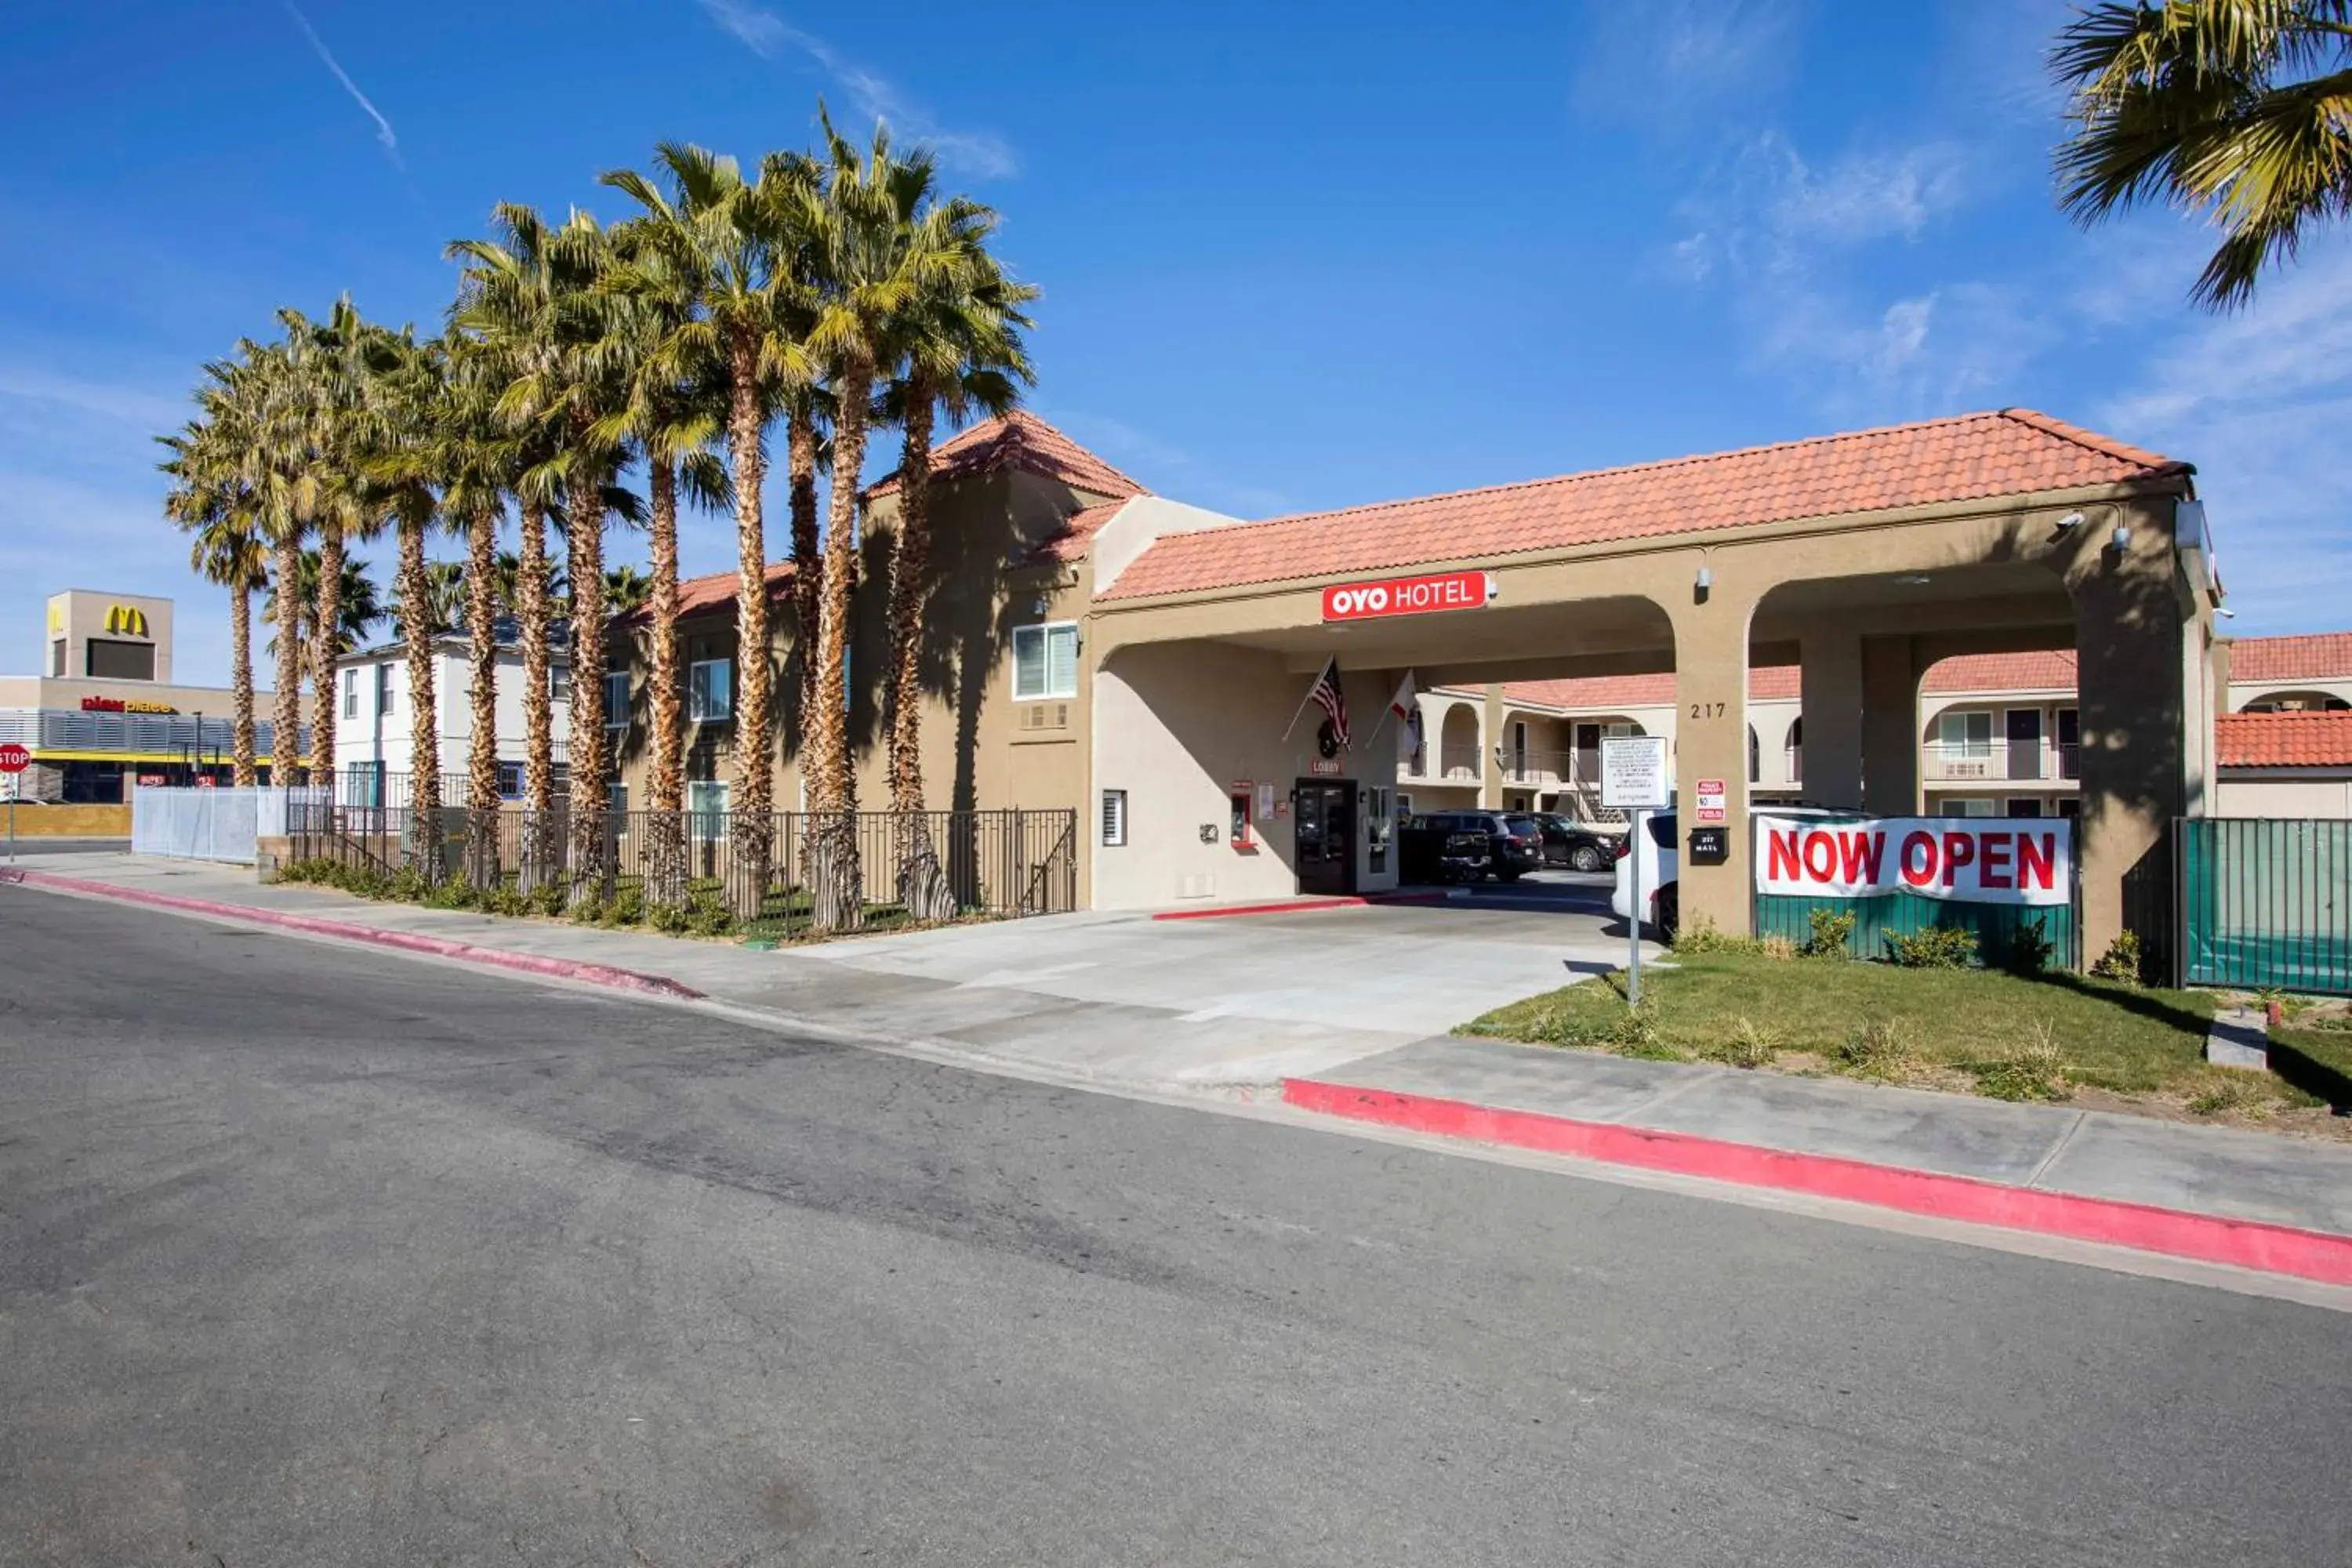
(2266, 902)
(870, 870)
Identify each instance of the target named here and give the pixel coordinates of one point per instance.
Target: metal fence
(2266, 903)
(1005, 863)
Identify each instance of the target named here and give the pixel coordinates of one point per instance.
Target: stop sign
(15, 759)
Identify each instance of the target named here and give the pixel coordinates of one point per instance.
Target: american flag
(1326, 694)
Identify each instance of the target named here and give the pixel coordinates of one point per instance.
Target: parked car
(1512, 850)
(1429, 850)
(1567, 842)
(1662, 902)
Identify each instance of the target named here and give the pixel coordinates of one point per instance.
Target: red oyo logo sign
(15, 759)
(1408, 596)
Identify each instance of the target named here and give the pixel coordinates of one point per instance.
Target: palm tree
(318, 431)
(727, 244)
(2231, 107)
(445, 596)
(474, 455)
(510, 297)
(626, 588)
(211, 500)
(358, 606)
(880, 243)
(958, 346)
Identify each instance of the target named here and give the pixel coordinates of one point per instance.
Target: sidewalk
(1132, 1010)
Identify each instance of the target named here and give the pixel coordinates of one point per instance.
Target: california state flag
(1401, 703)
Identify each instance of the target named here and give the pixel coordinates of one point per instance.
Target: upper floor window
(1046, 660)
(1966, 734)
(383, 688)
(559, 683)
(616, 699)
(710, 689)
(351, 694)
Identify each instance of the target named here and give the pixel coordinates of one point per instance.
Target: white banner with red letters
(1972, 859)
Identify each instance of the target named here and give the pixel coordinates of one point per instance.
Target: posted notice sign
(1408, 596)
(1977, 860)
(1633, 773)
(1712, 799)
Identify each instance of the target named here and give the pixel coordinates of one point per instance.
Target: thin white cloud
(769, 37)
(383, 131)
(1673, 65)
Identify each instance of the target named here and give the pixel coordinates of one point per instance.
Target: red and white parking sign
(1712, 800)
(1981, 860)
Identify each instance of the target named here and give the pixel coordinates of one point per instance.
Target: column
(1890, 726)
(1711, 745)
(2127, 640)
(1490, 750)
(1830, 667)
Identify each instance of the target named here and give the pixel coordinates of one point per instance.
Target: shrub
(2121, 962)
(1876, 1049)
(548, 899)
(1937, 947)
(2035, 1070)
(1705, 936)
(1830, 931)
(504, 900)
(672, 920)
(627, 907)
(2030, 949)
(707, 915)
(455, 893)
(2238, 1092)
(1751, 1045)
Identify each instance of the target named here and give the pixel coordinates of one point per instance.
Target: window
(1114, 818)
(710, 689)
(2070, 806)
(705, 806)
(1240, 801)
(616, 699)
(1966, 734)
(1966, 805)
(58, 659)
(616, 798)
(107, 660)
(383, 689)
(351, 694)
(1045, 661)
(509, 781)
(559, 683)
(2023, 805)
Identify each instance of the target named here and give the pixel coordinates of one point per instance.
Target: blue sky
(1293, 256)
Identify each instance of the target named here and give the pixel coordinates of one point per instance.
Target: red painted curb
(2243, 1244)
(1294, 906)
(406, 942)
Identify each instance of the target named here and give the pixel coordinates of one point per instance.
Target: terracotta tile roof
(1970, 457)
(1078, 531)
(2054, 671)
(2283, 740)
(2323, 658)
(1020, 440)
(701, 596)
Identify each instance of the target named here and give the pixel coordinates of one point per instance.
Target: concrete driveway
(1239, 999)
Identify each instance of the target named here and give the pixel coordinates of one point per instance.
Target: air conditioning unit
(1045, 716)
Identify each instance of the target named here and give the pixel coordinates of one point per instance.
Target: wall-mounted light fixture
(1706, 578)
(2072, 520)
(2226, 613)
(2121, 538)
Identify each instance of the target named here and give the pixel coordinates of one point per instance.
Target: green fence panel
(1906, 914)
(2266, 903)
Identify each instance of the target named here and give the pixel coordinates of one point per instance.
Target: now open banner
(1977, 860)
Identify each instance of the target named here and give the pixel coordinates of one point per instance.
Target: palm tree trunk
(835, 876)
(424, 711)
(286, 717)
(482, 758)
(590, 757)
(665, 828)
(750, 828)
(808, 582)
(240, 654)
(325, 633)
(923, 890)
(539, 835)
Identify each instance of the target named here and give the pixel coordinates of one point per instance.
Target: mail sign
(1979, 860)
(1408, 596)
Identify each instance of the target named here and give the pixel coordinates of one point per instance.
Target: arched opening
(1797, 750)
(2296, 702)
(1457, 745)
(1755, 757)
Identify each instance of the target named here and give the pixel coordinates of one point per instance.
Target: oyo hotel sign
(1981, 860)
(1408, 596)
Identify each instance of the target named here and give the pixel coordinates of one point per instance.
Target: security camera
(2072, 520)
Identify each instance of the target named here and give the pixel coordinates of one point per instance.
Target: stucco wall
(2329, 798)
(1175, 726)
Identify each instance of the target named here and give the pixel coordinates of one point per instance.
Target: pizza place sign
(1976, 860)
(1408, 596)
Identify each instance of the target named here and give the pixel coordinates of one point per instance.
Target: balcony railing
(2002, 762)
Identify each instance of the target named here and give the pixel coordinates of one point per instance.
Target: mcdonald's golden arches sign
(126, 620)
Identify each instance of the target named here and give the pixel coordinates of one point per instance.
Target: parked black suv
(1567, 842)
(1430, 852)
(1514, 841)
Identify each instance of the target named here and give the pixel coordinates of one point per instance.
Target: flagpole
(1302, 704)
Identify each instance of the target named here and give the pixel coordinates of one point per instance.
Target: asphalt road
(311, 1256)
